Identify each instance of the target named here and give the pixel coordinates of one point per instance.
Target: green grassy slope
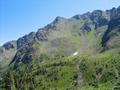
(99, 72)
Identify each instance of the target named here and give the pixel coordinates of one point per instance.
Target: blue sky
(19, 17)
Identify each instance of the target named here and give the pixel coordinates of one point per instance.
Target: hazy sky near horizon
(19, 17)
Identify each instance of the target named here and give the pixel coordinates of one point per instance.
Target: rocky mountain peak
(59, 19)
(10, 45)
(26, 40)
(83, 16)
(115, 13)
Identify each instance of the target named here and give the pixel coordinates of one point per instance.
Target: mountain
(63, 52)
(112, 35)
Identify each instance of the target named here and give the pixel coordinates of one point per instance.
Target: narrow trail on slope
(80, 80)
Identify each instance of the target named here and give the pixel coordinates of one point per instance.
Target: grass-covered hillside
(80, 72)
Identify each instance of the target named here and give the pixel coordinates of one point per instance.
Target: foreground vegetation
(82, 72)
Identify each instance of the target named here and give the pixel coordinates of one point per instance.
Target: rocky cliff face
(83, 33)
(111, 38)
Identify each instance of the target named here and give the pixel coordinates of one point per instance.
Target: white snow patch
(74, 54)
